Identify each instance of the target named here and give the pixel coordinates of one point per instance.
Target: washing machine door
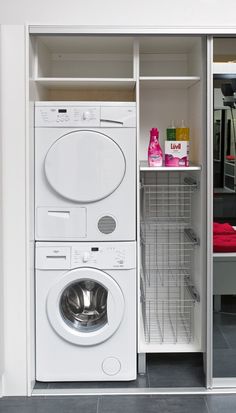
(86, 306)
(85, 166)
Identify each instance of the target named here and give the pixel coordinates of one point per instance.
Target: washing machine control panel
(68, 116)
(102, 256)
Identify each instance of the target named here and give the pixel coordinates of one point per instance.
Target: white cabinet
(165, 75)
(172, 264)
(83, 67)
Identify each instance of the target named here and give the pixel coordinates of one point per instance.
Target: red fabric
(224, 237)
(224, 243)
(230, 157)
(225, 228)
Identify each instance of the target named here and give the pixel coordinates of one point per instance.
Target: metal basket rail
(168, 203)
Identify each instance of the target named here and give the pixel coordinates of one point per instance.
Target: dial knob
(86, 257)
(86, 115)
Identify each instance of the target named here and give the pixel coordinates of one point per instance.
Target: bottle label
(171, 134)
(182, 134)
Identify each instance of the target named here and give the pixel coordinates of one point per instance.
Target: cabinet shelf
(224, 68)
(167, 82)
(87, 83)
(144, 167)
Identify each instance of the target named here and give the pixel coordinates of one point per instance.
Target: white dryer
(85, 171)
(85, 311)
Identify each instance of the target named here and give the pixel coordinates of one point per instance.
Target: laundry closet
(104, 78)
(121, 278)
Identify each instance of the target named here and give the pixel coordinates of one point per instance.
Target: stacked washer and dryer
(85, 231)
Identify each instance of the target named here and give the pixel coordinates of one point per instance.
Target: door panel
(85, 166)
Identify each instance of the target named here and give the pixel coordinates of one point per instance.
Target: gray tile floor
(224, 344)
(163, 370)
(120, 404)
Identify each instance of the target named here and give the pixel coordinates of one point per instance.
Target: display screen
(62, 110)
(94, 249)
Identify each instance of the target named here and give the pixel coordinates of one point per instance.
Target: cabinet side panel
(13, 208)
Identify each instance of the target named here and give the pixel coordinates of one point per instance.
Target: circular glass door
(85, 306)
(85, 166)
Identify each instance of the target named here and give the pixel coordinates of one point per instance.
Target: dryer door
(86, 306)
(85, 166)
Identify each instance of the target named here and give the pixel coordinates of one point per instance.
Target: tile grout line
(147, 373)
(98, 403)
(225, 338)
(208, 408)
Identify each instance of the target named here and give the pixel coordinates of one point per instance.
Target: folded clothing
(230, 157)
(224, 243)
(224, 237)
(225, 228)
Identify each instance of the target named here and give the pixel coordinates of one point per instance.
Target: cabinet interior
(165, 76)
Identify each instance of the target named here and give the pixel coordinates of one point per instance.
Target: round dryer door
(86, 306)
(85, 166)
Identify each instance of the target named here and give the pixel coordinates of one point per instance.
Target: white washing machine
(85, 171)
(85, 311)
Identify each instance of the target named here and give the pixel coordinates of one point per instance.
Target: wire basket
(168, 294)
(168, 308)
(168, 241)
(168, 203)
(166, 248)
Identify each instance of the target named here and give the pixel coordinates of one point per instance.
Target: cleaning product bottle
(171, 132)
(182, 133)
(155, 155)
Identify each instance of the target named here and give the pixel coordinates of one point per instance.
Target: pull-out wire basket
(166, 248)
(168, 294)
(168, 311)
(169, 203)
(168, 241)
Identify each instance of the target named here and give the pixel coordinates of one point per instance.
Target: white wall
(1, 254)
(186, 13)
(13, 90)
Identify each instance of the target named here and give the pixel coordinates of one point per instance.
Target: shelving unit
(164, 75)
(83, 68)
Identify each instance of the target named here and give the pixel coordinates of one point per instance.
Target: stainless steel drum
(83, 305)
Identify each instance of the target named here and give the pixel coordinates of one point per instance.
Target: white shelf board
(169, 348)
(144, 167)
(224, 255)
(224, 68)
(175, 82)
(86, 83)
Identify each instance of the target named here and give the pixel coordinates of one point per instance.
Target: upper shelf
(144, 167)
(224, 68)
(87, 83)
(173, 82)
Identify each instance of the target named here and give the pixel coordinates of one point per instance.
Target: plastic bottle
(155, 154)
(171, 132)
(182, 133)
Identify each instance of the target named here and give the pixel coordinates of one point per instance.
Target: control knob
(85, 256)
(86, 115)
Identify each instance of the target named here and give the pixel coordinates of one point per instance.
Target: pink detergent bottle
(155, 154)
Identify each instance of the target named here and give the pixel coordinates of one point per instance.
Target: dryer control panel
(67, 116)
(85, 114)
